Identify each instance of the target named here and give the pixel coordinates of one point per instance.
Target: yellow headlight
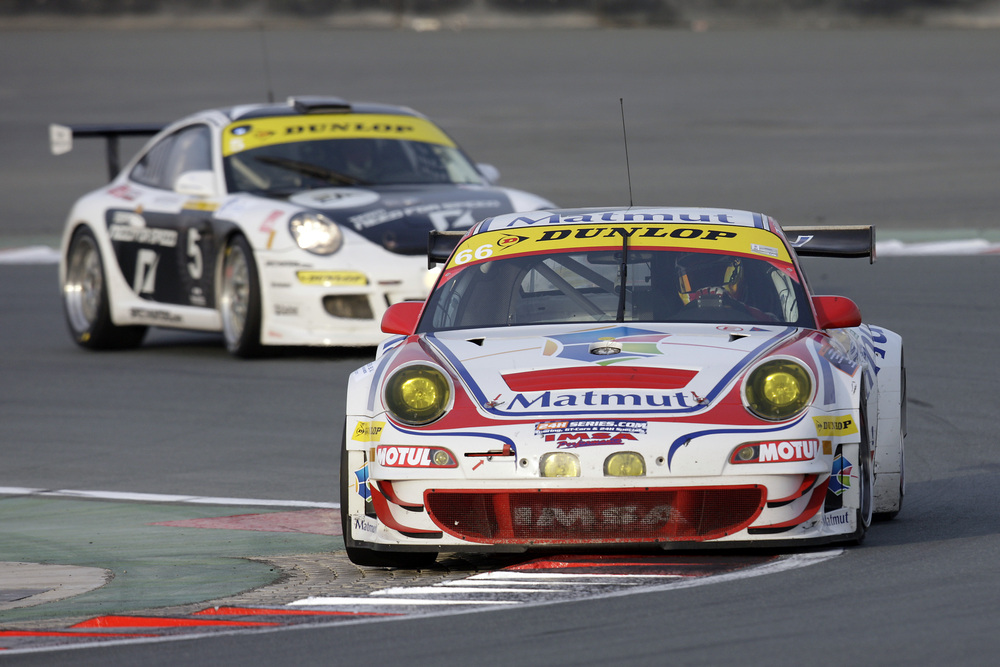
(559, 464)
(417, 394)
(625, 464)
(778, 389)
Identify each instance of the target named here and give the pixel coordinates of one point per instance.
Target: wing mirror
(836, 312)
(489, 172)
(402, 317)
(196, 184)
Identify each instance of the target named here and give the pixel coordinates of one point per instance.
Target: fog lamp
(559, 464)
(625, 464)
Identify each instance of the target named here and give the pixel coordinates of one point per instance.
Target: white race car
(624, 378)
(277, 224)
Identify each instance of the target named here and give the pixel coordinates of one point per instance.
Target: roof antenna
(628, 170)
(267, 64)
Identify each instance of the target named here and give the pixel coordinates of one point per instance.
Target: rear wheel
(403, 560)
(85, 299)
(239, 300)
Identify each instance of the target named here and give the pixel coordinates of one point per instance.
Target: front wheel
(866, 482)
(85, 299)
(239, 300)
(403, 560)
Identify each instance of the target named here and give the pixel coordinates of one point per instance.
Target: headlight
(417, 394)
(778, 389)
(315, 233)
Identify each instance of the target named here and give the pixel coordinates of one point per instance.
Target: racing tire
(239, 300)
(866, 479)
(85, 299)
(890, 515)
(402, 560)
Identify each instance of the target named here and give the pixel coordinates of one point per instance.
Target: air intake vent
(313, 104)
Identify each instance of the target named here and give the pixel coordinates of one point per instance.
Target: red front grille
(595, 516)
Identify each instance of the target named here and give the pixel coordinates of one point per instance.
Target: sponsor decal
(586, 439)
(635, 344)
(777, 451)
(837, 358)
(281, 310)
(156, 315)
(585, 517)
(835, 426)
(547, 399)
(359, 483)
(566, 426)
(368, 431)
(443, 215)
(483, 246)
(764, 250)
(198, 205)
(332, 278)
(364, 524)
(397, 456)
(788, 450)
(840, 475)
(130, 227)
(334, 198)
(125, 192)
(837, 518)
(246, 135)
(570, 434)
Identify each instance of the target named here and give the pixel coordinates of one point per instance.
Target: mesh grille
(594, 516)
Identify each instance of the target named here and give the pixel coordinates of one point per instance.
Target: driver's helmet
(701, 275)
(359, 157)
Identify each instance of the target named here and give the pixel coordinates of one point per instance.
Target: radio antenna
(267, 64)
(628, 170)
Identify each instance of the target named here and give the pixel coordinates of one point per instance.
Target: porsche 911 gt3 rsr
(657, 377)
(276, 224)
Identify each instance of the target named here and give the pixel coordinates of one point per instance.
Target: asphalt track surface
(896, 128)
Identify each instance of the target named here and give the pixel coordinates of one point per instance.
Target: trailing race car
(276, 224)
(623, 378)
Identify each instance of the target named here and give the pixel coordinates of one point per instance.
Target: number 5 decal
(196, 264)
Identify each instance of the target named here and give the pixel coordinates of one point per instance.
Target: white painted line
(159, 498)
(588, 578)
(438, 589)
(36, 254)
(362, 602)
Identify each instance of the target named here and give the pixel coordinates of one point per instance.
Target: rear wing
(61, 138)
(833, 241)
(440, 245)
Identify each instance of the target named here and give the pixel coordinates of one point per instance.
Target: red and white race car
(624, 377)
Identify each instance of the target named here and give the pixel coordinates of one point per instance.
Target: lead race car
(276, 224)
(658, 377)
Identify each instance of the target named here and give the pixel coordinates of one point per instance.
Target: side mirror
(196, 184)
(836, 312)
(489, 172)
(402, 317)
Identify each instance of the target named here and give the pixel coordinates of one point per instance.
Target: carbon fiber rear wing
(61, 138)
(833, 241)
(441, 244)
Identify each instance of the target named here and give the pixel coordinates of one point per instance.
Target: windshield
(291, 153)
(633, 280)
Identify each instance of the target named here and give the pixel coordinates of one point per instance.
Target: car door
(163, 240)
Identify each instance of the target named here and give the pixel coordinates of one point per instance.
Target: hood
(399, 217)
(648, 368)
